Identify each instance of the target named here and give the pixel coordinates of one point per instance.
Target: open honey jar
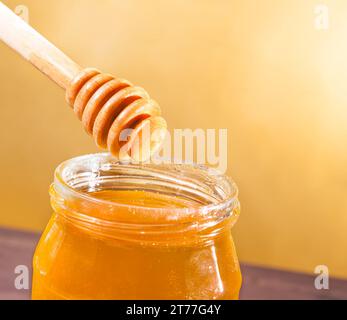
(138, 231)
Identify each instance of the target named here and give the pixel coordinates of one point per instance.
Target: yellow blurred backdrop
(261, 69)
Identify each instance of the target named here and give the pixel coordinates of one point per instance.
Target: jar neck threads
(201, 203)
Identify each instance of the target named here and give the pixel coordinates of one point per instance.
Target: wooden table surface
(17, 247)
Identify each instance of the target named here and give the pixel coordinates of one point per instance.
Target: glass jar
(126, 231)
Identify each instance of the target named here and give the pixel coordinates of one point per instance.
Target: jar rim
(221, 190)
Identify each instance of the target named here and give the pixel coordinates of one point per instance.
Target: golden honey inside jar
(126, 231)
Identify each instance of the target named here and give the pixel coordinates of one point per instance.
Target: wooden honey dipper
(106, 105)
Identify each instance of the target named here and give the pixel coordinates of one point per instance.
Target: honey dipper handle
(18, 35)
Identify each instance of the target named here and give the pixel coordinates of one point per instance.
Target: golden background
(259, 68)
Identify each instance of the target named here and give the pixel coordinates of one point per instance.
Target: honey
(123, 231)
